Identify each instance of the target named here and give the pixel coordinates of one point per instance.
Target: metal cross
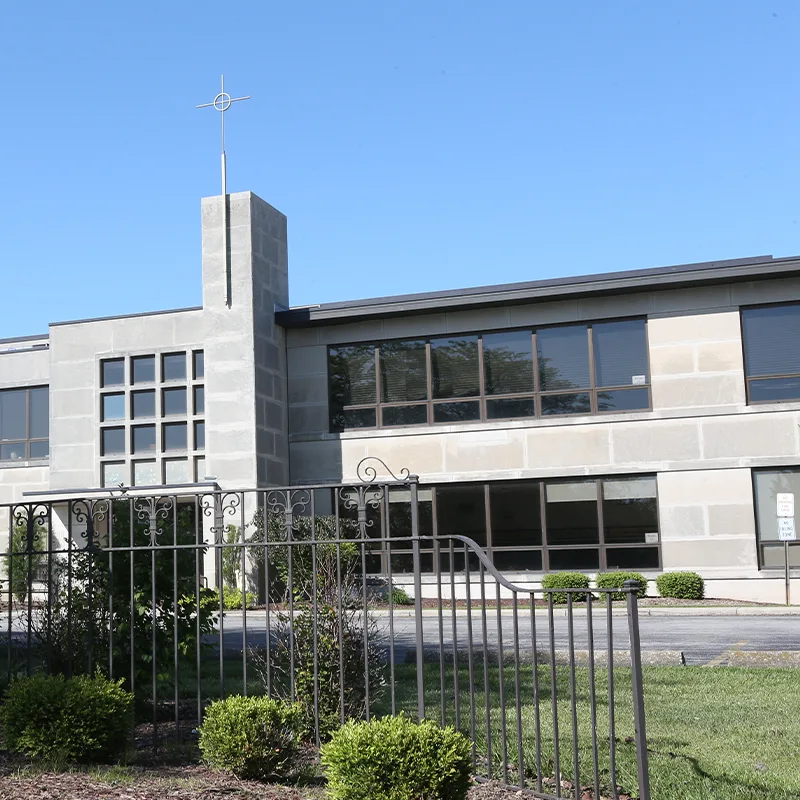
(222, 102)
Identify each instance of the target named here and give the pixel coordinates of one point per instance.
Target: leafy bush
(25, 558)
(400, 597)
(81, 719)
(396, 759)
(252, 737)
(232, 599)
(616, 580)
(566, 580)
(683, 585)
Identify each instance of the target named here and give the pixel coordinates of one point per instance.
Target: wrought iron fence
(300, 593)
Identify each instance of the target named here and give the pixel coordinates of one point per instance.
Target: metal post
(642, 768)
(414, 486)
(786, 572)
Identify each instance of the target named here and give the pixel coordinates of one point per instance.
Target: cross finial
(222, 102)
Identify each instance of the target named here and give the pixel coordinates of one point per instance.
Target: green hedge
(395, 758)
(616, 580)
(82, 719)
(566, 580)
(253, 737)
(683, 585)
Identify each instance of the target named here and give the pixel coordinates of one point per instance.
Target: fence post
(642, 767)
(414, 485)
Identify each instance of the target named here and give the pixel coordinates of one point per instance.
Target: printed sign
(651, 538)
(786, 531)
(639, 380)
(785, 504)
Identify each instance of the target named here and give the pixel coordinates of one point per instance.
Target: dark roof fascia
(13, 339)
(127, 316)
(627, 282)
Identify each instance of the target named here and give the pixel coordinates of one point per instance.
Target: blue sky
(413, 144)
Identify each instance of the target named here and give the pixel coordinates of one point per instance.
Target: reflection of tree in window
(352, 375)
(454, 367)
(404, 372)
(508, 362)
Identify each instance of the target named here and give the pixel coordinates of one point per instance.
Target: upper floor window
(24, 424)
(771, 358)
(570, 369)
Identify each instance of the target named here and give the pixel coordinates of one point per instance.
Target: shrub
(81, 719)
(683, 585)
(232, 598)
(396, 759)
(566, 580)
(27, 556)
(616, 580)
(400, 597)
(252, 737)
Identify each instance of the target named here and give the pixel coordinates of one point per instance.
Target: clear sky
(413, 144)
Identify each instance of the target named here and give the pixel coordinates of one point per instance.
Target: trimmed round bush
(82, 719)
(395, 758)
(253, 737)
(616, 580)
(683, 585)
(566, 580)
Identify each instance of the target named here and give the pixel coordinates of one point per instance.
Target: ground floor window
(585, 524)
(767, 484)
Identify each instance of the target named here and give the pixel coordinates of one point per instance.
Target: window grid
(153, 461)
(484, 398)
(769, 545)
(29, 448)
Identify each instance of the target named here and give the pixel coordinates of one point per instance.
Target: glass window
(632, 558)
(113, 407)
(620, 353)
(563, 357)
(571, 513)
(144, 438)
(199, 435)
(460, 510)
(143, 369)
(176, 470)
(347, 419)
(456, 412)
(112, 372)
(623, 400)
(113, 441)
(145, 473)
(404, 372)
(769, 335)
(173, 367)
(404, 415)
(768, 484)
(508, 362)
(13, 414)
(40, 449)
(174, 434)
(630, 511)
(12, 452)
(510, 408)
(351, 372)
(518, 560)
(114, 474)
(454, 367)
(40, 412)
(198, 361)
(576, 558)
(199, 469)
(199, 399)
(580, 403)
(144, 404)
(173, 402)
(515, 514)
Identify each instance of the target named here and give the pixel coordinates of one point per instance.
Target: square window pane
(566, 404)
(565, 560)
(768, 484)
(404, 415)
(39, 449)
(774, 389)
(515, 514)
(173, 367)
(143, 369)
(508, 362)
(112, 372)
(404, 372)
(400, 513)
(114, 474)
(144, 404)
(456, 412)
(514, 560)
(199, 435)
(563, 357)
(510, 408)
(473, 562)
(403, 562)
(198, 361)
(460, 510)
(145, 473)
(620, 353)
(176, 471)
(113, 407)
(454, 367)
(630, 510)
(773, 556)
(144, 438)
(199, 469)
(632, 558)
(39, 399)
(624, 400)
(351, 375)
(113, 441)
(199, 400)
(342, 420)
(769, 337)
(571, 513)
(174, 434)
(13, 414)
(173, 402)
(13, 452)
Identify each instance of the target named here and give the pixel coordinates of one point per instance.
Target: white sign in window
(786, 531)
(785, 504)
